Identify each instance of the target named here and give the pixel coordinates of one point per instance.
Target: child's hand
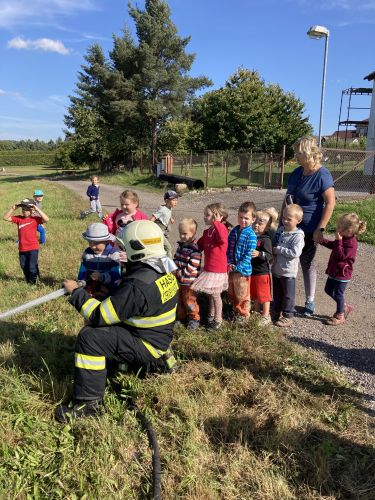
(217, 216)
(255, 253)
(171, 220)
(230, 268)
(338, 236)
(95, 276)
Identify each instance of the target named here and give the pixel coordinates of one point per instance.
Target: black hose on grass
(152, 439)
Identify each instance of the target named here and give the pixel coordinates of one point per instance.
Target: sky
(43, 43)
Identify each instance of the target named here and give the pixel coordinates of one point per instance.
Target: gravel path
(351, 346)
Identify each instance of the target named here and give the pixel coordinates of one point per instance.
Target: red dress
(214, 244)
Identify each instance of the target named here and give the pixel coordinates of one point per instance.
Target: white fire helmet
(142, 240)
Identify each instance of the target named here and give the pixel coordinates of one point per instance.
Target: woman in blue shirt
(311, 186)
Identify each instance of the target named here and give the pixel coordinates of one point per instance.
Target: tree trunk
(244, 165)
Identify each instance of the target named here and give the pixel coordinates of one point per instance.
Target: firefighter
(134, 325)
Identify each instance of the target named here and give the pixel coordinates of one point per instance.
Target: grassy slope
(248, 415)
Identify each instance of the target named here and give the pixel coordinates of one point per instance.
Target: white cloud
(16, 12)
(45, 44)
(2, 92)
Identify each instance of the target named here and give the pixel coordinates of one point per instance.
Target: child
(93, 194)
(100, 266)
(272, 225)
(188, 260)
(241, 243)
(290, 242)
(214, 279)
(129, 211)
(260, 285)
(340, 264)
(163, 217)
(28, 243)
(38, 198)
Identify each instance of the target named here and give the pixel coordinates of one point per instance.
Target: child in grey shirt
(289, 242)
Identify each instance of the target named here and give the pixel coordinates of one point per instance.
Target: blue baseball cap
(38, 192)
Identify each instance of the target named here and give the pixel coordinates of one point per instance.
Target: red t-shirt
(214, 244)
(27, 226)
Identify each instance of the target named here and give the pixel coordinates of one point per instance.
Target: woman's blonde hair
(308, 146)
(353, 222)
(130, 195)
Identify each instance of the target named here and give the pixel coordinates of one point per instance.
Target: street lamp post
(320, 32)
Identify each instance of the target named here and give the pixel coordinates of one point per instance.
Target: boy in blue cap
(38, 198)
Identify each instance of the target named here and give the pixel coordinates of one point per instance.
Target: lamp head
(318, 32)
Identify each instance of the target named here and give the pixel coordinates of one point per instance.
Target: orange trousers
(187, 307)
(239, 293)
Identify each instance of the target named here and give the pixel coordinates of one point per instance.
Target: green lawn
(248, 415)
(365, 209)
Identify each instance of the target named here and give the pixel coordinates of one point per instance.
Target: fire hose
(145, 423)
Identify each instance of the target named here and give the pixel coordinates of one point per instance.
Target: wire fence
(352, 170)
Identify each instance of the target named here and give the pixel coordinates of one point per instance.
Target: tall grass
(248, 415)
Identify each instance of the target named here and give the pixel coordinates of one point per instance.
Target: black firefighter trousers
(93, 347)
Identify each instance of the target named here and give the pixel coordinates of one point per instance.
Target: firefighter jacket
(144, 304)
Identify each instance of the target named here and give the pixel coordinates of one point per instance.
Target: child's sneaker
(214, 325)
(348, 309)
(264, 320)
(284, 322)
(193, 324)
(309, 308)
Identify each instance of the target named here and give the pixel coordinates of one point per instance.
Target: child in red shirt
(214, 278)
(128, 212)
(28, 244)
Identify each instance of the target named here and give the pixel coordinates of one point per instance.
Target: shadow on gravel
(362, 360)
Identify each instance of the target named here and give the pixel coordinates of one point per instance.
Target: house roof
(370, 77)
(350, 134)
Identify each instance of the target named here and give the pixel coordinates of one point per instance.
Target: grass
(248, 415)
(365, 209)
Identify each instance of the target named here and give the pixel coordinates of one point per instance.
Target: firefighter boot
(79, 409)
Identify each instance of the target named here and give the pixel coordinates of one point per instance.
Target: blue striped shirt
(240, 245)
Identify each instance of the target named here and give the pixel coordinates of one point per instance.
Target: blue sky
(43, 42)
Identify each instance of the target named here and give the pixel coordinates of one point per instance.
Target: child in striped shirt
(188, 261)
(241, 243)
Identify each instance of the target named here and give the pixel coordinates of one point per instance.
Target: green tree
(248, 114)
(160, 65)
(86, 117)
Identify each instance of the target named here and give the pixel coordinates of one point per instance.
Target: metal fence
(231, 168)
(352, 170)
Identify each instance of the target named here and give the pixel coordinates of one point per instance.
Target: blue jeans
(284, 295)
(29, 265)
(42, 234)
(336, 290)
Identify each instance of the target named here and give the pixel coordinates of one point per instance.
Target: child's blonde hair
(308, 146)
(274, 215)
(130, 195)
(221, 210)
(190, 224)
(94, 177)
(295, 210)
(353, 222)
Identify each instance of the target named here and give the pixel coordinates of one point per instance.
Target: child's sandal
(338, 319)
(348, 309)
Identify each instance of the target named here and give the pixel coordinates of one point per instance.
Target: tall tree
(248, 114)
(161, 78)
